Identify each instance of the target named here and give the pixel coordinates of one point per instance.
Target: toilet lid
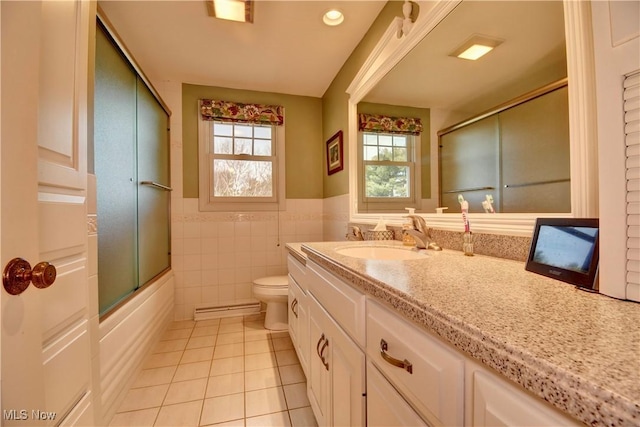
(273, 281)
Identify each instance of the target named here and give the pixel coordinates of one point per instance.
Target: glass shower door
(115, 169)
(153, 188)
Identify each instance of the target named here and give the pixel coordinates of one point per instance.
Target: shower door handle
(156, 185)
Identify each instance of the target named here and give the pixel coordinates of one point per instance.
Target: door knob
(18, 274)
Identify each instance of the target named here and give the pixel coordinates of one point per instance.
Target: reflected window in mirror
(389, 162)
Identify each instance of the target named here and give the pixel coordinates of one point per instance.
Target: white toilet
(273, 291)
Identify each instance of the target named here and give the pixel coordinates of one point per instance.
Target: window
(389, 169)
(240, 165)
(388, 166)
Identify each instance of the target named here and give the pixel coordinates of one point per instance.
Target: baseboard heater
(208, 312)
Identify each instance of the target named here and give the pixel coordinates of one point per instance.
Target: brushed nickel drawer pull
(404, 364)
(294, 306)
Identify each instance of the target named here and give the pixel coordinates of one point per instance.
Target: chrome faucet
(422, 234)
(354, 233)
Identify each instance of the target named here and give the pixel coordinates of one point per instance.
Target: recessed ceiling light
(333, 17)
(475, 47)
(231, 10)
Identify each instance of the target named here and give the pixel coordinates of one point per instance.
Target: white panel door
(46, 353)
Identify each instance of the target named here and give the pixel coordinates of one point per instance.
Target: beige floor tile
(291, 374)
(234, 423)
(232, 338)
(222, 409)
(197, 355)
(258, 334)
(255, 347)
(234, 319)
(192, 371)
(279, 419)
(278, 334)
(303, 417)
(143, 417)
(175, 334)
(223, 385)
(161, 360)
(171, 345)
(229, 365)
(199, 342)
(266, 401)
(227, 328)
(254, 317)
(205, 331)
(283, 343)
(182, 414)
(296, 395)
(182, 324)
(254, 325)
(208, 322)
(155, 376)
(287, 357)
(144, 398)
(228, 350)
(259, 361)
(186, 391)
(261, 378)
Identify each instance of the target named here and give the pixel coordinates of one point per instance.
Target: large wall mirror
(534, 66)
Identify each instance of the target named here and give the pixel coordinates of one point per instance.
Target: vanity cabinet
(423, 369)
(336, 380)
(298, 312)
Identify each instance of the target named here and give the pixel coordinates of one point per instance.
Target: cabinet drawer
(434, 384)
(298, 271)
(343, 302)
(385, 406)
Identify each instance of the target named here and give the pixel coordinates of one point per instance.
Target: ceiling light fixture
(475, 47)
(333, 17)
(231, 10)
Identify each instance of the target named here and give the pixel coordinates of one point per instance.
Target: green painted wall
(335, 100)
(425, 137)
(303, 137)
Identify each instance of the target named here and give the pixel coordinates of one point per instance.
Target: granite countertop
(580, 351)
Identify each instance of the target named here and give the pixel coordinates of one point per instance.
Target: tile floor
(221, 372)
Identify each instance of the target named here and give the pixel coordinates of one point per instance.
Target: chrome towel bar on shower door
(156, 185)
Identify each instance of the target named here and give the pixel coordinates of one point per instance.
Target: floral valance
(243, 113)
(378, 123)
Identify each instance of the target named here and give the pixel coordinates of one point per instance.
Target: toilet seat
(272, 282)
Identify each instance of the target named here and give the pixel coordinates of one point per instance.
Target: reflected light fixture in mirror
(333, 17)
(476, 47)
(231, 10)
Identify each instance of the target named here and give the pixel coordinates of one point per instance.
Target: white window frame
(207, 202)
(391, 204)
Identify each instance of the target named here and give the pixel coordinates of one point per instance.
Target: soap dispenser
(407, 239)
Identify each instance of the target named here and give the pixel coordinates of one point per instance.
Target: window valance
(243, 113)
(378, 123)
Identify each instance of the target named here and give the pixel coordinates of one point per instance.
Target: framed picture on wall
(335, 161)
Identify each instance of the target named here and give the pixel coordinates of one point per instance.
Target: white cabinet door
(498, 403)
(347, 371)
(299, 322)
(336, 382)
(318, 377)
(385, 406)
(46, 356)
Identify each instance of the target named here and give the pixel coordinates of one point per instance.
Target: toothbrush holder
(467, 243)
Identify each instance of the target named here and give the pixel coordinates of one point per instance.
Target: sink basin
(380, 252)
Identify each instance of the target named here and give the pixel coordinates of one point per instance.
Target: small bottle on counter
(407, 239)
